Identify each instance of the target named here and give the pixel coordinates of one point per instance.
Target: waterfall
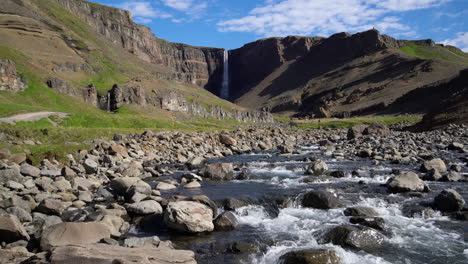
(108, 101)
(225, 86)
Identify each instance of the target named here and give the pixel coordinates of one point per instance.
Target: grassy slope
(347, 122)
(437, 52)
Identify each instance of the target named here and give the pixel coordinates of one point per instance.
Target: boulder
(226, 221)
(317, 168)
(28, 170)
(163, 186)
(406, 182)
(50, 207)
(377, 129)
(310, 256)
(90, 166)
(113, 254)
(14, 256)
(320, 200)
(73, 234)
(449, 200)
(192, 185)
(219, 171)
(356, 131)
(121, 185)
(355, 237)
(436, 164)
(187, 216)
(145, 208)
(360, 211)
(11, 229)
(377, 223)
(432, 175)
(227, 140)
(10, 174)
(451, 176)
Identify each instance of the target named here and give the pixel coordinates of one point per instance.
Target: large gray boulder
(73, 234)
(187, 216)
(226, 221)
(377, 129)
(113, 254)
(436, 164)
(356, 131)
(355, 237)
(449, 200)
(406, 182)
(311, 256)
(121, 185)
(227, 140)
(219, 171)
(317, 168)
(145, 208)
(11, 229)
(320, 200)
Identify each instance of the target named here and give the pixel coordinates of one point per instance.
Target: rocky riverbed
(369, 194)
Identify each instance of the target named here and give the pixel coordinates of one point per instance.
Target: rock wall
(9, 78)
(197, 65)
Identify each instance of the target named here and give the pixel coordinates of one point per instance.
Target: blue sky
(231, 23)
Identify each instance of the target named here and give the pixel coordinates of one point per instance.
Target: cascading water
(225, 85)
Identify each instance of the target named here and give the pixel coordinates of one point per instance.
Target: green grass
(347, 122)
(437, 52)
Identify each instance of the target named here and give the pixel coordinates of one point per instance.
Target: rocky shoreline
(88, 209)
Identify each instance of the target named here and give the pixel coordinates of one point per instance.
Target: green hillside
(436, 52)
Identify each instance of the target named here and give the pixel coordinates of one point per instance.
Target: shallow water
(276, 223)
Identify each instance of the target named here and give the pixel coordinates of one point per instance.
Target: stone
(377, 129)
(10, 174)
(28, 170)
(225, 221)
(11, 229)
(115, 224)
(436, 164)
(320, 200)
(51, 173)
(456, 146)
(360, 211)
(356, 131)
(145, 208)
(113, 254)
(14, 256)
(118, 149)
(432, 175)
(79, 183)
(406, 182)
(18, 158)
(354, 237)
(90, 166)
(135, 242)
(377, 223)
(73, 234)
(317, 168)
(338, 174)
(188, 216)
(286, 149)
(231, 204)
(219, 171)
(311, 256)
(227, 140)
(163, 186)
(20, 213)
(68, 173)
(121, 185)
(50, 207)
(451, 176)
(62, 185)
(14, 185)
(449, 200)
(192, 185)
(10, 80)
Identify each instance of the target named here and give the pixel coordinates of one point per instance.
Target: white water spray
(225, 86)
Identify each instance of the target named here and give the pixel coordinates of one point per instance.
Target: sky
(230, 24)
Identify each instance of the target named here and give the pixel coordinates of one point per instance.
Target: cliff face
(184, 63)
(338, 76)
(9, 79)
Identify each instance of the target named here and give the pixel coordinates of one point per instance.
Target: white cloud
(304, 17)
(191, 7)
(143, 11)
(460, 41)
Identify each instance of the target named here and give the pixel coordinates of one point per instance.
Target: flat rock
(73, 234)
(311, 256)
(11, 229)
(187, 216)
(145, 208)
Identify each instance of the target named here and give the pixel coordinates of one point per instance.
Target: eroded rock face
(110, 254)
(187, 216)
(9, 78)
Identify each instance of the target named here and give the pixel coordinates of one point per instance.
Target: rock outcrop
(9, 78)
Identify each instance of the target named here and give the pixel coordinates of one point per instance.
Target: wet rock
(456, 146)
(311, 256)
(449, 200)
(317, 168)
(320, 200)
(406, 182)
(164, 186)
(219, 171)
(451, 176)
(111, 254)
(192, 185)
(377, 223)
(11, 229)
(338, 174)
(243, 247)
(360, 211)
(73, 234)
(432, 175)
(227, 140)
(145, 208)
(121, 185)
(354, 237)
(286, 149)
(436, 164)
(187, 216)
(231, 204)
(226, 221)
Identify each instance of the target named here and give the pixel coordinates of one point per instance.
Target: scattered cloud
(193, 8)
(304, 17)
(460, 41)
(143, 11)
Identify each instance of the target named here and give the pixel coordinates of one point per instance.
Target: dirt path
(31, 117)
